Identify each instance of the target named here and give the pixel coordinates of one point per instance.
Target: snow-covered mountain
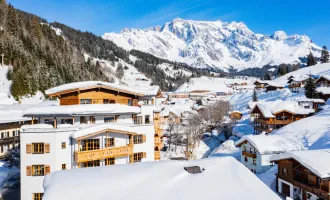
(216, 44)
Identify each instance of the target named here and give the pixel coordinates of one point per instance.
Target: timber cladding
(285, 164)
(97, 96)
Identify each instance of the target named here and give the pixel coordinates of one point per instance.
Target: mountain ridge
(216, 44)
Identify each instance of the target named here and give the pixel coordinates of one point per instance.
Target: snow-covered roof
(13, 113)
(272, 144)
(326, 77)
(299, 78)
(163, 180)
(323, 90)
(146, 90)
(317, 161)
(128, 128)
(206, 84)
(273, 84)
(268, 109)
(304, 99)
(85, 109)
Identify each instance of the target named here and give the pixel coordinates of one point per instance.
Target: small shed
(235, 115)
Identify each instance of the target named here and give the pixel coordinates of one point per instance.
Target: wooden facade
(158, 137)
(273, 88)
(235, 115)
(299, 176)
(322, 82)
(98, 96)
(268, 124)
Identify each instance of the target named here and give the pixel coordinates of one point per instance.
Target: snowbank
(227, 148)
(223, 178)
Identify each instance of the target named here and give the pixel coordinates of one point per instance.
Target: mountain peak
(279, 35)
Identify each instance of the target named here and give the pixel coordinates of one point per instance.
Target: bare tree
(213, 114)
(171, 130)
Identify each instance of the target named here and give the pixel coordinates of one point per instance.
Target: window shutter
(28, 170)
(144, 155)
(116, 117)
(144, 138)
(28, 148)
(47, 148)
(47, 169)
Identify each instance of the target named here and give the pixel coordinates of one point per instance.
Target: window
(66, 121)
(130, 102)
(38, 148)
(91, 144)
(38, 196)
(245, 159)
(109, 142)
(138, 157)
(284, 171)
(109, 101)
(63, 145)
(138, 120)
(94, 163)
(145, 102)
(38, 170)
(254, 161)
(109, 119)
(147, 119)
(137, 139)
(49, 121)
(110, 161)
(92, 120)
(244, 148)
(4, 134)
(85, 101)
(251, 150)
(83, 120)
(15, 133)
(64, 166)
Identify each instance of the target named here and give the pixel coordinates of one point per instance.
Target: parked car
(13, 182)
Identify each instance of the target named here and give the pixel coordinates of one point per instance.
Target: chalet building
(268, 116)
(260, 84)
(304, 175)
(311, 103)
(96, 124)
(323, 92)
(323, 81)
(257, 150)
(273, 87)
(297, 84)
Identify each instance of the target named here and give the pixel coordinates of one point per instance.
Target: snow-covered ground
(222, 178)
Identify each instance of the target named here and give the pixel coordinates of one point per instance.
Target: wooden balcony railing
(317, 191)
(248, 154)
(159, 131)
(83, 156)
(158, 140)
(269, 122)
(157, 155)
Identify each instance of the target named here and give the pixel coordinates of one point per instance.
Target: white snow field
(222, 178)
(216, 44)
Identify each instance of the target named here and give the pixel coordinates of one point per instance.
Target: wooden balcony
(157, 155)
(159, 131)
(8, 140)
(269, 122)
(248, 154)
(158, 140)
(311, 189)
(83, 156)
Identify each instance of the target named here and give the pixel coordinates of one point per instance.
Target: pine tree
(324, 55)
(311, 60)
(254, 96)
(310, 88)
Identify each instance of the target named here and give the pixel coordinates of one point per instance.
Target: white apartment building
(96, 124)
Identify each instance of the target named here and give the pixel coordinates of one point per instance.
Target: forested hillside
(40, 58)
(43, 55)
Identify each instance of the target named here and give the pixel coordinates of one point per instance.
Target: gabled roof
(166, 180)
(326, 77)
(271, 144)
(79, 86)
(317, 161)
(79, 110)
(323, 90)
(304, 99)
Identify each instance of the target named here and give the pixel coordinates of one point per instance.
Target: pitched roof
(323, 90)
(317, 161)
(78, 110)
(271, 144)
(76, 86)
(166, 180)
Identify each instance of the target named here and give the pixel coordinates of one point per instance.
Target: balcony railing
(157, 140)
(9, 140)
(311, 189)
(273, 121)
(248, 154)
(83, 156)
(157, 155)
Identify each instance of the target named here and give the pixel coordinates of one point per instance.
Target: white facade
(58, 156)
(295, 192)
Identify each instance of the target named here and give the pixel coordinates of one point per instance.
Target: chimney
(194, 169)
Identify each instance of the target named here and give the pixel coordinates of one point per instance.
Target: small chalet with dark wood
(304, 175)
(323, 81)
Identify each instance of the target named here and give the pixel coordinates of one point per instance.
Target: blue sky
(261, 16)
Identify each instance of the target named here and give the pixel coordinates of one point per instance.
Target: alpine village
(190, 109)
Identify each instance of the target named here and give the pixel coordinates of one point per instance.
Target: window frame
(138, 139)
(64, 166)
(106, 119)
(91, 144)
(109, 161)
(284, 171)
(40, 169)
(38, 196)
(109, 142)
(63, 145)
(92, 163)
(137, 157)
(85, 101)
(138, 120)
(38, 152)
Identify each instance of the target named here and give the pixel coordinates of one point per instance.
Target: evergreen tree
(310, 88)
(254, 96)
(311, 60)
(324, 55)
